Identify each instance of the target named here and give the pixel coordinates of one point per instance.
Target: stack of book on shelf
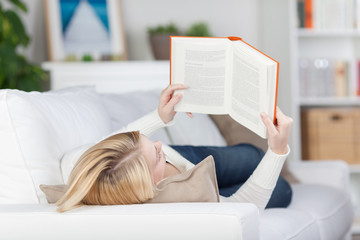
(328, 14)
(324, 77)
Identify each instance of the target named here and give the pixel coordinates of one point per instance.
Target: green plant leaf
(16, 34)
(19, 4)
(199, 29)
(170, 29)
(15, 70)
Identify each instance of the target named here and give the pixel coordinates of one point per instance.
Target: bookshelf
(330, 43)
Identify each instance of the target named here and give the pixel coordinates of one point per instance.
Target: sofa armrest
(333, 173)
(143, 221)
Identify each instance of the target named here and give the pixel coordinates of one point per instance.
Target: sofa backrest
(127, 107)
(35, 131)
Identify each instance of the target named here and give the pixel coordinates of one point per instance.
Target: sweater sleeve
(175, 158)
(259, 187)
(147, 124)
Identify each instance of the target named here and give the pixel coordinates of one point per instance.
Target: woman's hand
(168, 101)
(278, 136)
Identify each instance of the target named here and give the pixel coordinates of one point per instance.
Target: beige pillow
(53, 192)
(234, 133)
(195, 185)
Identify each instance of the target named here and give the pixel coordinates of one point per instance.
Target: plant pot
(160, 44)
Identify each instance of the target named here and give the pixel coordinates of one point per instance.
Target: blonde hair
(112, 172)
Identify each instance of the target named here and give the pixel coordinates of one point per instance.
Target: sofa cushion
(127, 107)
(70, 158)
(197, 131)
(286, 224)
(330, 207)
(36, 129)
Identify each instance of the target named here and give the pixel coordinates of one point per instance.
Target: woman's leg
(234, 164)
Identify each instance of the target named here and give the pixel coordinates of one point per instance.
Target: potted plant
(159, 39)
(15, 70)
(199, 29)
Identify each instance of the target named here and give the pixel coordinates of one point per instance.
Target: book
(324, 77)
(328, 14)
(358, 79)
(308, 14)
(341, 82)
(225, 75)
(300, 12)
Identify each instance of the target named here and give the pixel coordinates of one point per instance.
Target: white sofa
(36, 130)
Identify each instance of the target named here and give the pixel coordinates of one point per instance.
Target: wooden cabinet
(331, 133)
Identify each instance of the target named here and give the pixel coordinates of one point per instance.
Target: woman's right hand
(168, 101)
(278, 135)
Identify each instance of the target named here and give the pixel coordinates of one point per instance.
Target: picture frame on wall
(85, 30)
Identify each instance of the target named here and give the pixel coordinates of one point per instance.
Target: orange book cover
(223, 71)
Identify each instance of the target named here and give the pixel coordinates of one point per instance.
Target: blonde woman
(126, 167)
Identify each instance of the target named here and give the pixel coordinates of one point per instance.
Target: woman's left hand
(278, 135)
(168, 101)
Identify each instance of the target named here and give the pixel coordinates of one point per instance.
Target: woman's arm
(258, 188)
(159, 118)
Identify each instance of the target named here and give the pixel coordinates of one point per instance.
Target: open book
(225, 76)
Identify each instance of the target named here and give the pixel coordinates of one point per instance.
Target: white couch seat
(315, 210)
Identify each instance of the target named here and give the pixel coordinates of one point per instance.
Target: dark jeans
(234, 165)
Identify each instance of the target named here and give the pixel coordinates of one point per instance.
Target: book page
(248, 91)
(202, 67)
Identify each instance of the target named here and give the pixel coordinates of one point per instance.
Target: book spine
(319, 14)
(357, 15)
(340, 79)
(358, 78)
(304, 77)
(301, 14)
(349, 14)
(308, 13)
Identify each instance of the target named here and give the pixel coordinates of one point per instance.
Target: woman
(126, 167)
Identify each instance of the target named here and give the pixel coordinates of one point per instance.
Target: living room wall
(228, 17)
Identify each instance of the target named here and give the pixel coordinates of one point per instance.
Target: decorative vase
(160, 44)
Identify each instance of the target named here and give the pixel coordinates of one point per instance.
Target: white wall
(224, 17)
(275, 41)
(35, 25)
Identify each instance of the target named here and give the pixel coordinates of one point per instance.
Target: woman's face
(154, 156)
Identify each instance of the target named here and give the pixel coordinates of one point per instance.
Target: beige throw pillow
(195, 185)
(53, 192)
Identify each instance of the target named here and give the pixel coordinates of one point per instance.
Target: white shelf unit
(337, 44)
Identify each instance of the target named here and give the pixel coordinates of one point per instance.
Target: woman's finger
(173, 101)
(167, 93)
(173, 87)
(268, 124)
(283, 120)
(190, 114)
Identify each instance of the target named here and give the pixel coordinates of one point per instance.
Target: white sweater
(257, 189)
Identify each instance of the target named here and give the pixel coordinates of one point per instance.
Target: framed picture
(85, 30)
